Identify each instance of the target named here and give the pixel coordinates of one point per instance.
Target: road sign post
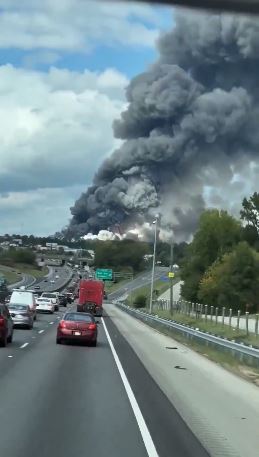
(105, 274)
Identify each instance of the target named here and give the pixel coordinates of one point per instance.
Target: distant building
(17, 241)
(52, 246)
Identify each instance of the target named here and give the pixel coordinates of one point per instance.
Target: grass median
(11, 276)
(159, 288)
(14, 274)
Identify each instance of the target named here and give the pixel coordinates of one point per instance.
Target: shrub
(140, 301)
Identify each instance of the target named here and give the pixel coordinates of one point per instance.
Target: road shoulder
(219, 407)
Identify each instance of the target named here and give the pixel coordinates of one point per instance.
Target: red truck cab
(90, 298)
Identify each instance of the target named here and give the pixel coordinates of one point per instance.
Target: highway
(63, 273)
(29, 281)
(122, 398)
(71, 400)
(141, 280)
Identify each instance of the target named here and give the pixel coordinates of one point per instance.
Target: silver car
(21, 314)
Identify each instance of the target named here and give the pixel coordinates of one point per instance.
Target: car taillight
(92, 327)
(62, 324)
(2, 321)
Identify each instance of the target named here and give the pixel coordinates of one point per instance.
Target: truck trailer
(91, 294)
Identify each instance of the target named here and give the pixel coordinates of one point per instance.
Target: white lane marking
(40, 331)
(148, 442)
(10, 356)
(24, 345)
(50, 323)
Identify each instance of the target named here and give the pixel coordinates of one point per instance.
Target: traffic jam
(82, 302)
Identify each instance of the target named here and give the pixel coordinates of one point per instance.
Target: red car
(76, 326)
(6, 326)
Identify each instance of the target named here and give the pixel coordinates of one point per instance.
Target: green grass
(30, 270)
(12, 273)
(210, 326)
(160, 286)
(113, 286)
(10, 276)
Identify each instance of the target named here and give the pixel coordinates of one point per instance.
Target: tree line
(221, 264)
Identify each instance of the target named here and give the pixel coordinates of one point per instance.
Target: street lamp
(171, 277)
(153, 266)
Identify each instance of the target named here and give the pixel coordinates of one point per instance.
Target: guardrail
(242, 352)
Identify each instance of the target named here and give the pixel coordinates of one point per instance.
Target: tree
(217, 233)
(232, 282)
(250, 211)
(121, 254)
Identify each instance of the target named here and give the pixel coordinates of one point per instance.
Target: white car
(53, 296)
(57, 276)
(45, 305)
(52, 281)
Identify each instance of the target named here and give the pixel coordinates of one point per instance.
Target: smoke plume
(190, 130)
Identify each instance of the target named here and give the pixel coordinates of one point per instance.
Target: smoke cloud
(190, 130)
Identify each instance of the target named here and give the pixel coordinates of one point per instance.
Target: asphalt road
(71, 400)
(63, 273)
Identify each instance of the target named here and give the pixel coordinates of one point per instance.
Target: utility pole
(153, 267)
(171, 277)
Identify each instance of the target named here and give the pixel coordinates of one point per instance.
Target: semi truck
(91, 294)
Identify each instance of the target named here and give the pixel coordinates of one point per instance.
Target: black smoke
(191, 122)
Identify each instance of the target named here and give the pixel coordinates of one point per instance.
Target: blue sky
(64, 67)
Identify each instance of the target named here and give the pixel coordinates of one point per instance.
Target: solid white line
(40, 331)
(51, 323)
(148, 442)
(24, 345)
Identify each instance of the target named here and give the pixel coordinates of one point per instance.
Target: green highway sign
(104, 274)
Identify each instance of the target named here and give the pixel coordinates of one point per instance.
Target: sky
(64, 67)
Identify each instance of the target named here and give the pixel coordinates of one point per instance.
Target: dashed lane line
(24, 345)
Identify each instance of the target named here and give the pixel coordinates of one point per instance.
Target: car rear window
(17, 307)
(49, 295)
(78, 317)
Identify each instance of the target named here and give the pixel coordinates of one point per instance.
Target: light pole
(153, 267)
(171, 278)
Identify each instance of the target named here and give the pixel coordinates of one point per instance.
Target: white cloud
(72, 25)
(40, 212)
(55, 130)
(56, 127)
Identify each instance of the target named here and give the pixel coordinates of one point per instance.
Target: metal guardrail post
(192, 308)
(247, 318)
(238, 319)
(211, 312)
(217, 313)
(206, 313)
(230, 317)
(256, 324)
(201, 309)
(223, 315)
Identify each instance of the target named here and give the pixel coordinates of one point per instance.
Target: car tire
(3, 342)
(30, 326)
(35, 317)
(58, 341)
(94, 343)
